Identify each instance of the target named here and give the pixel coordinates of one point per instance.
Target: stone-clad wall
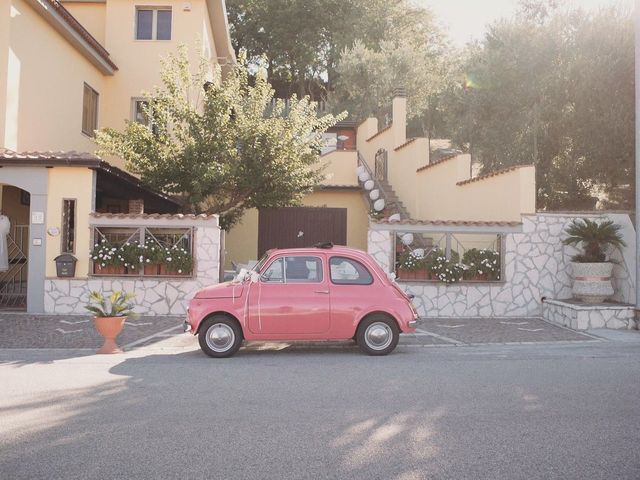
(154, 296)
(536, 265)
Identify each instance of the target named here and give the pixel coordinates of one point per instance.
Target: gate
(13, 282)
(294, 227)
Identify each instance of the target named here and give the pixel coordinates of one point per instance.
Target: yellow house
(67, 68)
(373, 169)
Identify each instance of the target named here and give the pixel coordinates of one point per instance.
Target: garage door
(294, 227)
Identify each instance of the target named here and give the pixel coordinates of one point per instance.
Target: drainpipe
(637, 225)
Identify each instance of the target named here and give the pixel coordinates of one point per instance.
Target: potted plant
(447, 271)
(154, 256)
(131, 256)
(110, 314)
(106, 260)
(591, 269)
(481, 264)
(411, 266)
(178, 261)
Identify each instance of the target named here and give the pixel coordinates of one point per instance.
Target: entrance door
(295, 227)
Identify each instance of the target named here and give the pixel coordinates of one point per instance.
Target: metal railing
(13, 282)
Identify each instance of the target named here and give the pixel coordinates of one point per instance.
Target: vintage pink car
(320, 293)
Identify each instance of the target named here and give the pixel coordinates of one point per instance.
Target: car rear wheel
(220, 336)
(377, 335)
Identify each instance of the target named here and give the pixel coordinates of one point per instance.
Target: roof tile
(492, 174)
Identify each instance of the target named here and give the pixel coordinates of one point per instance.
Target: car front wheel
(220, 336)
(377, 335)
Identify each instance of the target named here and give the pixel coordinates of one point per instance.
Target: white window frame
(154, 23)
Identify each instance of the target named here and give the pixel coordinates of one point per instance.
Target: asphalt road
(567, 411)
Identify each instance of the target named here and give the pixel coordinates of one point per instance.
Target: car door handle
(322, 291)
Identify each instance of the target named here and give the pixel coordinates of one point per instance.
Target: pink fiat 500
(320, 293)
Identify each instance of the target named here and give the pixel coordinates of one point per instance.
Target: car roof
(335, 249)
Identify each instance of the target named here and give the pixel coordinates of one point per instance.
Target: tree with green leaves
(304, 39)
(413, 56)
(554, 88)
(222, 145)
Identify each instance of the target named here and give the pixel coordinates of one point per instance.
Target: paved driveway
(51, 331)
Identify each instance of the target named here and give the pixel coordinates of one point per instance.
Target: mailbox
(66, 265)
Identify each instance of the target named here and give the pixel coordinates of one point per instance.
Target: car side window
(346, 271)
(274, 272)
(303, 270)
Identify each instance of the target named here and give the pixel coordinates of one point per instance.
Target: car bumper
(412, 323)
(186, 326)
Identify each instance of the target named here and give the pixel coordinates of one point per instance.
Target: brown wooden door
(295, 227)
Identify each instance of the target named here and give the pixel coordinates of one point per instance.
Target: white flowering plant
(178, 260)
(447, 271)
(481, 263)
(105, 254)
(408, 260)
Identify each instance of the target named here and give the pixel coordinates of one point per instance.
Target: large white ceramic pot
(592, 281)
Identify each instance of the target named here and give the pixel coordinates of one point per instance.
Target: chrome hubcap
(220, 337)
(378, 336)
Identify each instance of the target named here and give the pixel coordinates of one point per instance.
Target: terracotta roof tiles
(408, 142)
(165, 216)
(452, 223)
(80, 30)
(492, 174)
(437, 162)
(379, 132)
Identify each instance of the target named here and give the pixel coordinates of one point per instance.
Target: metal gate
(381, 165)
(13, 282)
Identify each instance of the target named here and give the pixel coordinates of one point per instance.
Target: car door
(292, 297)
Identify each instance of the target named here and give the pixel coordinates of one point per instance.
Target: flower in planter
(411, 261)
(104, 253)
(481, 263)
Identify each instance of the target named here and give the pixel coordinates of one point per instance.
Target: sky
(467, 19)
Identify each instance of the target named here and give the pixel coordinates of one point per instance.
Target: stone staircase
(393, 204)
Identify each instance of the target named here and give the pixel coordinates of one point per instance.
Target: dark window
(345, 271)
(89, 110)
(296, 270)
(68, 226)
(144, 25)
(303, 270)
(164, 25)
(153, 23)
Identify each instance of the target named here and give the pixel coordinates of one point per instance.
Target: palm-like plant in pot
(591, 269)
(110, 314)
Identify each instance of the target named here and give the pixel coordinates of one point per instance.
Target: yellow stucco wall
(340, 168)
(433, 194)
(69, 183)
(92, 16)
(43, 93)
(242, 241)
(139, 61)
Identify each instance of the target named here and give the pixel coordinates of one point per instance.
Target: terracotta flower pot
(109, 328)
(152, 269)
(109, 269)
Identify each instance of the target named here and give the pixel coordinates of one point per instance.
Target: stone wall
(154, 296)
(579, 316)
(536, 266)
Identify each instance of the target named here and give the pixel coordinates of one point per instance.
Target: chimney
(136, 206)
(399, 116)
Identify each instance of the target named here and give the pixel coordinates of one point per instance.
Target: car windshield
(258, 266)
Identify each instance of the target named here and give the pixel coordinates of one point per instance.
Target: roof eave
(56, 20)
